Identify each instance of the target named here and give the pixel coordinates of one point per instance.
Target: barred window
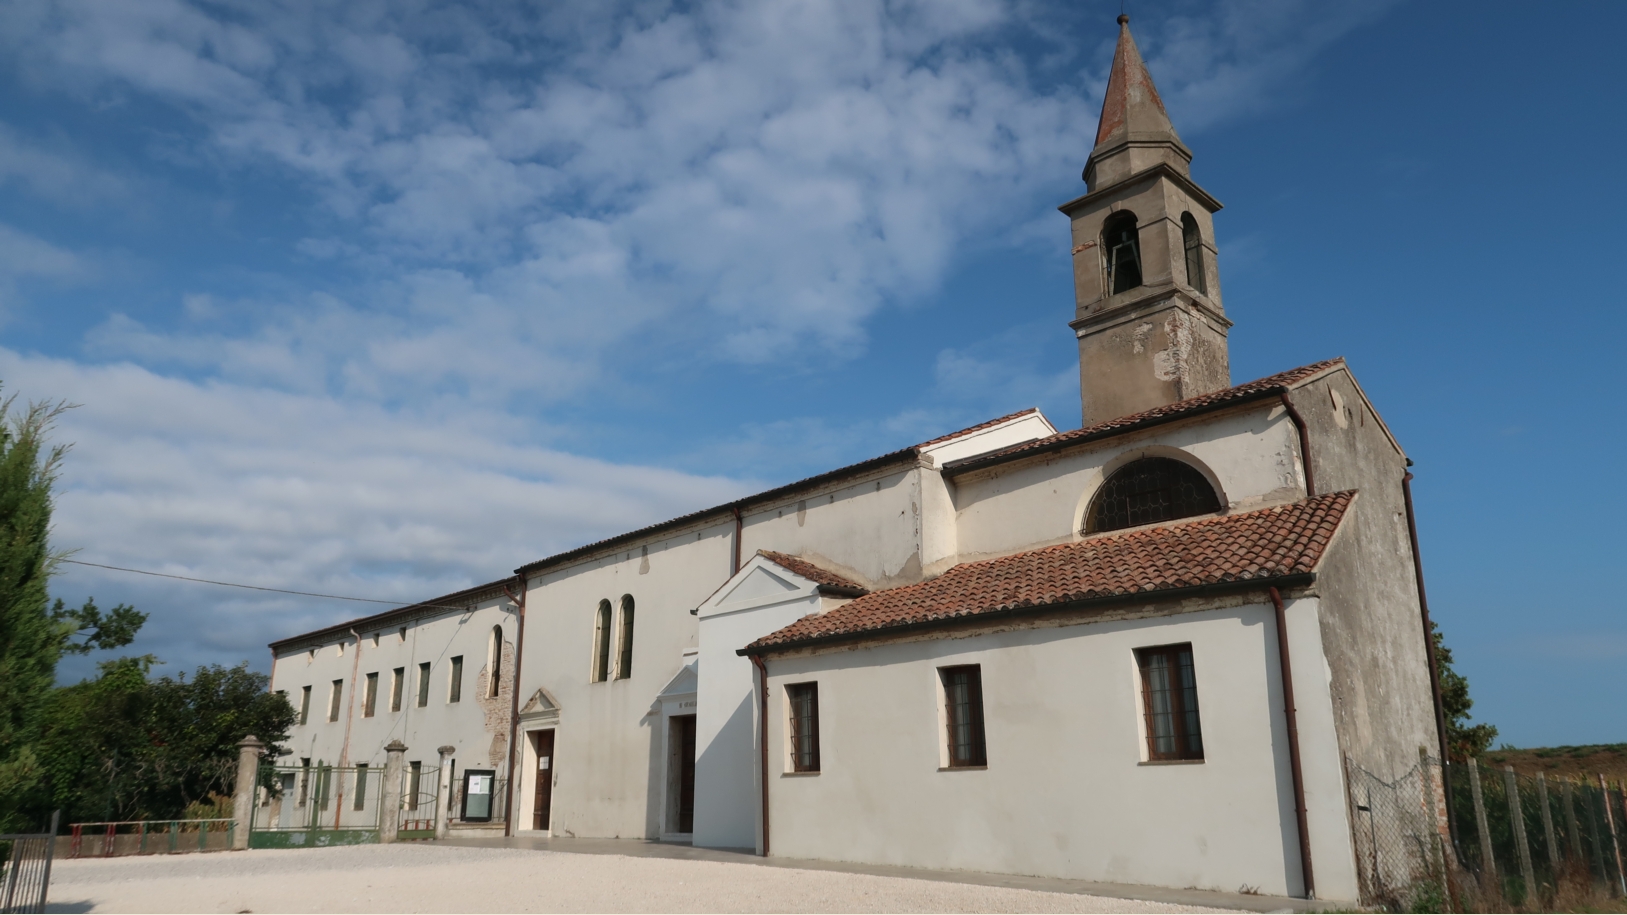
(1149, 491)
(1169, 694)
(963, 707)
(804, 699)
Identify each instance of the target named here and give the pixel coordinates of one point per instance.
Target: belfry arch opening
(1121, 246)
(1148, 491)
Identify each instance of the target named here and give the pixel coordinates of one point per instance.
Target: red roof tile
(1254, 546)
(813, 573)
(1202, 403)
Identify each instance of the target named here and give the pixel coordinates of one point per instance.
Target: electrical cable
(233, 584)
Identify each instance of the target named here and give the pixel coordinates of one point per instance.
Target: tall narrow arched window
(1121, 246)
(494, 661)
(624, 639)
(601, 643)
(1192, 241)
(1149, 491)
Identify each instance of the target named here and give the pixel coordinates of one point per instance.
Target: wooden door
(686, 771)
(543, 742)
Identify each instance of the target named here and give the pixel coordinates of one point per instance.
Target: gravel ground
(418, 878)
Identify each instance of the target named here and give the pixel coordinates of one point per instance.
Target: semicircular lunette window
(1149, 491)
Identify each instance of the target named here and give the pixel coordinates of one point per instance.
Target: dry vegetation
(1568, 762)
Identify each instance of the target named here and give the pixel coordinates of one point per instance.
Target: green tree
(34, 635)
(1463, 740)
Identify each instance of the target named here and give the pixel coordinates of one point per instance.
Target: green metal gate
(321, 805)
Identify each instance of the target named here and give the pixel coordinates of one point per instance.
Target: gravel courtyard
(424, 878)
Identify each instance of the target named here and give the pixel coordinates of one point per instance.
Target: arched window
(601, 643)
(1192, 241)
(1149, 491)
(624, 639)
(494, 661)
(1121, 245)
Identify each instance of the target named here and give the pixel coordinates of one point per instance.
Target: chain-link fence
(1511, 841)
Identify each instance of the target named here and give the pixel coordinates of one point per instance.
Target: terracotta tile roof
(813, 573)
(977, 428)
(1215, 400)
(1254, 546)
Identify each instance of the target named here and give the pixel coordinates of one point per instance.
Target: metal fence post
(1488, 863)
(1516, 817)
(1615, 841)
(1548, 825)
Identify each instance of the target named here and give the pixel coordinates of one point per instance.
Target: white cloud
(284, 490)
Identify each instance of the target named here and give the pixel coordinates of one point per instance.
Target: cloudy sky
(385, 299)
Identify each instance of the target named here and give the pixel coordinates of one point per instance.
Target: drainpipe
(350, 713)
(739, 528)
(1293, 742)
(1304, 443)
(514, 701)
(762, 673)
(1429, 652)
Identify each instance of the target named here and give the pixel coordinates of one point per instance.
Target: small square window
(1169, 697)
(804, 701)
(963, 712)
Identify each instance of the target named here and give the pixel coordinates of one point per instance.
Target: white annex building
(1147, 650)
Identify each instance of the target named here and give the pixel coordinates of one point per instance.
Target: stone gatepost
(248, 772)
(390, 801)
(443, 794)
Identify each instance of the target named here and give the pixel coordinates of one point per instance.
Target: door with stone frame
(542, 742)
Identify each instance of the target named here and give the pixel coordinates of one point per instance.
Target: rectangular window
(423, 684)
(333, 699)
(304, 705)
(804, 699)
(371, 695)
(963, 712)
(361, 786)
(304, 775)
(455, 687)
(398, 677)
(415, 782)
(1169, 696)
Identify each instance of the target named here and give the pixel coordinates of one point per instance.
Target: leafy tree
(1463, 740)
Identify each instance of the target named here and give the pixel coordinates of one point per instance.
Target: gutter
(1429, 652)
(1299, 579)
(514, 702)
(1287, 671)
(762, 672)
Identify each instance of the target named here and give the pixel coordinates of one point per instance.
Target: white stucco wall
(477, 725)
(1251, 454)
(1066, 792)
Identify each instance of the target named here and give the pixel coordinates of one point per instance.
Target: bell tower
(1148, 316)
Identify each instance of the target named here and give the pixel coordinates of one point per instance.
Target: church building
(1148, 650)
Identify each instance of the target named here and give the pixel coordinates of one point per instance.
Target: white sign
(543, 763)
(480, 784)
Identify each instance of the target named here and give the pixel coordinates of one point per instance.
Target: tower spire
(1133, 116)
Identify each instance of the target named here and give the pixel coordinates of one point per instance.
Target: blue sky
(388, 298)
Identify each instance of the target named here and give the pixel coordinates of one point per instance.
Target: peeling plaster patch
(1169, 364)
(644, 560)
(1138, 343)
(1339, 415)
(496, 707)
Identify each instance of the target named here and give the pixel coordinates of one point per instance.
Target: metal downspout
(762, 672)
(1304, 443)
(514, 701)
(350, 714)
(739, 529)
(1429, 652)
(1293, 743)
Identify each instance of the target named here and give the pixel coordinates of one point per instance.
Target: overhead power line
(233, 584)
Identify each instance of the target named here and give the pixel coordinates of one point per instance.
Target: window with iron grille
(1149, 491)
(804, 701)
(371, 695)
(1192, 240)
(1121, 246)
(423, 684)
(1169, 698)
(963, 712)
